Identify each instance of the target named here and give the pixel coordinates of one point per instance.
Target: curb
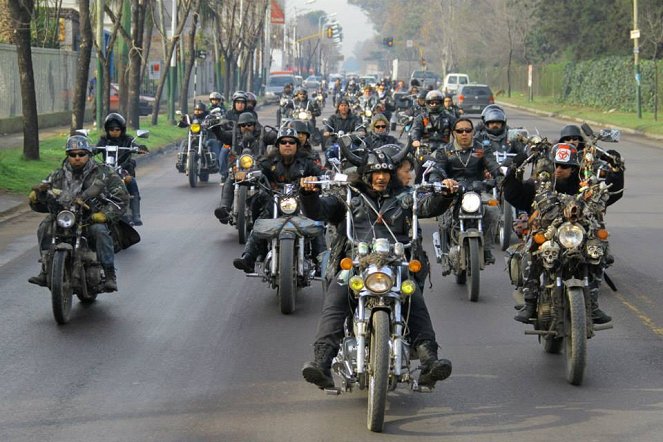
(561, 116)
(22, 207)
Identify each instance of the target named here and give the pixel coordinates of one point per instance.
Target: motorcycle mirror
(83, 132)
(610, 135)
(215, 111)
(178, 113)
(142, 133)
(587, 130)
(254, 174)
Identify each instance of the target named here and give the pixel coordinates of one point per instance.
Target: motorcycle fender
(64, 246)
(573, 282)
(287, 235)
(464, 241)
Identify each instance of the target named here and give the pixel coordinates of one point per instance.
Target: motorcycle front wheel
(505, 226)
(473, 269)
(192, 168)
(242, 222)
(378, 377)
(575, 339)
(61, 288)
(287, 289)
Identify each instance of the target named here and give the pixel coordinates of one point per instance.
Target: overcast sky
(356, 25)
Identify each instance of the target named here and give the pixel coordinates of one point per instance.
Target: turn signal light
(602, 234)
(539, 238)
(493, 203)
(356, 283)
(346, 264)
(414, 266)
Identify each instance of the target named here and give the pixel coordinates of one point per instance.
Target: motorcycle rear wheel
(378, 376)
(242, 224)
(473, 270)
(575, 341)
(61, 288)
(287, 289)
(192, 168)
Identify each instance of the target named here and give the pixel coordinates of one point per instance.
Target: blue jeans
(221, 155)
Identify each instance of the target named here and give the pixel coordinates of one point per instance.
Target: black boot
(432, 368)
(222, 214)
(488, 257)
(41, 279)
(598, 315)
(135, 211)
(246, 263)
(527, 312)
(318, 372)
(110, 284)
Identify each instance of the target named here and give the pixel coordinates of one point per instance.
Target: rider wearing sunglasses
(378, 135)
(285, 164)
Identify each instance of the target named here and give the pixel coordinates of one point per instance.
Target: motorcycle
(196, 160)
(287, 108)
(71, 264)
(244, 190)
(375, 353)
(288, 264)
(458, 243)
(568, 242)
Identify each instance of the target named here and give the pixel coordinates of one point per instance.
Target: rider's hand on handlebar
(416, 143)
(451, 185)
(98, 217)
(307, 184)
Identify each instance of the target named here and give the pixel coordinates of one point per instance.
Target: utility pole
(172, 71)
(635, 35)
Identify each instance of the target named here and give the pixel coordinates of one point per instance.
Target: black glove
(614, 158)
(519, 159)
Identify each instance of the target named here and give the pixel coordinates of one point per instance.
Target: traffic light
(330, 31)
(388, 42)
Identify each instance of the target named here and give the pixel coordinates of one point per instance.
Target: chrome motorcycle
(196, 160)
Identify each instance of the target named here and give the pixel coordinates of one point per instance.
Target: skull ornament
(549, 251)
(595, 251)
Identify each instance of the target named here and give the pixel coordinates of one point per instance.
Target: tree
(652, 36)
(84, 56)
(21, 12)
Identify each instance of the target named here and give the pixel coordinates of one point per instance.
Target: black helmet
(301, 127)
(394, 153)
(378, 161)
(570, 131)
(246, 117)
(288, 132)
(422, 95)
(200, 106)
(115, 120)
(494, 113)
(564, 153)
(215, 96)
(434, 96)
(301, 90)
(78, 142)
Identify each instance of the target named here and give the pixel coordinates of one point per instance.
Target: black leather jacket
(434, 128)
(465, 164)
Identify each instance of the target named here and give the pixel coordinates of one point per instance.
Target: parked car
(275, 83)
(426, 78)
(312, 83)
(473, 98)
(145, 102)
(299, 80)
(453, 81)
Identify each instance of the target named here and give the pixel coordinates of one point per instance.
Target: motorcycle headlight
(195, 128)
(303, 116)
(362, 249)
(369, 113)
(570, 235)
(471, 202)
(66, 219)
(288, 205)
(381, 246)
(379, 280)
(246, 161)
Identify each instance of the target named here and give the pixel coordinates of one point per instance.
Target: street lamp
(320, 35)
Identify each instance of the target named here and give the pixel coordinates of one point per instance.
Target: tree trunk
(190, 59)
(21, 14)
(84, 56)
(135, 62)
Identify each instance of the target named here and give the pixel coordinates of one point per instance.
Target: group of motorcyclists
(380, 168)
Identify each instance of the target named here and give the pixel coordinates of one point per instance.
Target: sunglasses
(287, 142)
(463, 131)
(563, 166)
(380, 126)
(77, 154)
(247, 125)
(572, 139)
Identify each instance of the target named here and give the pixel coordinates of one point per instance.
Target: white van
(452, 82)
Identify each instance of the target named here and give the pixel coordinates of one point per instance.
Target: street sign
(154, 72)
(635, 33)
(409, 43)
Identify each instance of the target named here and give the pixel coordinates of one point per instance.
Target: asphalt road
(191, 350)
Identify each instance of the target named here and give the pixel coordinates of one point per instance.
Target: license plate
(476, 107)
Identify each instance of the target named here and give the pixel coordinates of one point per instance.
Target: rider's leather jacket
(434, 128)
(463, 165)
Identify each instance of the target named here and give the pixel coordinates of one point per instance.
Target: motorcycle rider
(115, 128)
(251, 102)
(433, 125)
(494, 134)
(285, 165)
(216, 101)
(239, 106)
(82, 177)
(302, 102)
(465, 159)
(385, 100)
(449, 107)
(380, 189)
(344, 120)
(305, 146)
(379, 133)
(286, 95)
(521, 194)
(248, 135)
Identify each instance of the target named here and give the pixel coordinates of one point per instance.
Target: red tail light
(461, 98)
(491, 100)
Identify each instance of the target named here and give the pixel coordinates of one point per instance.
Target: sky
(356, 25)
